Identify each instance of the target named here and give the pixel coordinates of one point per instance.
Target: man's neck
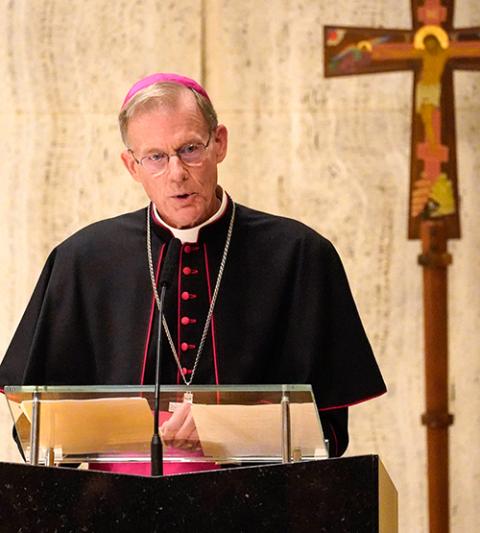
(191, 234)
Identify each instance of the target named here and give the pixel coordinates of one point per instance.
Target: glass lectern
(234, 423)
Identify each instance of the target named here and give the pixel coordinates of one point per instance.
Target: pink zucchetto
(160, 77)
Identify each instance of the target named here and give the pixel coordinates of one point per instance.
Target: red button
(186, 271)
(185, 320)
(188, 248)
(188, 295)
(185, 371)
(185, 346)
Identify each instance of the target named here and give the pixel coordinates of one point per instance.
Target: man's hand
(179, 430)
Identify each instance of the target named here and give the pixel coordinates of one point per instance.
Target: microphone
(169, 269)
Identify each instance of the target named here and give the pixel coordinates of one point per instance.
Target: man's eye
(157, 157)
(189, 149)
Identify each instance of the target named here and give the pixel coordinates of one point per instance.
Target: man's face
(431, 43)
(184, 196)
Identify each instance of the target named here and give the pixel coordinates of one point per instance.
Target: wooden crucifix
(433, 49)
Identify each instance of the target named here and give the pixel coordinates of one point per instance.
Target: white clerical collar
(191, 234)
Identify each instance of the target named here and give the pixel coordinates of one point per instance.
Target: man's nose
(176, 169)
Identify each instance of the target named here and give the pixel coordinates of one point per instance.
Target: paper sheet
(116, 425)
(93, 426)
(256, 430)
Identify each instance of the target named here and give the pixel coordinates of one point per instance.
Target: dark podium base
(337, 495)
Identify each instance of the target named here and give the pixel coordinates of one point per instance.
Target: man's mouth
(184, 196)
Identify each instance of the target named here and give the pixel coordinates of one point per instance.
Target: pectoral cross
(432, 50)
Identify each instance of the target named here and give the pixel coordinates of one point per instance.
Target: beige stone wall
(332, 153)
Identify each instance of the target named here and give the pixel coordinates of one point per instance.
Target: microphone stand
(166, 278)
(156, 446)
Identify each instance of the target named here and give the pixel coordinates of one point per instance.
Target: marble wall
(332, 153)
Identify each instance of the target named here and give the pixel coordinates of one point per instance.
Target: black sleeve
(335, 429)
(16, 438)
(18, 357)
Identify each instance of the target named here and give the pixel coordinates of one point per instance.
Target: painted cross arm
(465, 48)
(351, 50)
(395, 51)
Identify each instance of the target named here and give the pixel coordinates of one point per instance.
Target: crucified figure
(432, 192)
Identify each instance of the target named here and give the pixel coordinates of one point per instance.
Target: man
(257, 298)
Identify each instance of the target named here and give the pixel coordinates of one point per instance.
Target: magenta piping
(212, 324)
(350, 404)
(179, 292)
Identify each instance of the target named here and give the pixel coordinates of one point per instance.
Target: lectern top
(235, 423)
(30, 389)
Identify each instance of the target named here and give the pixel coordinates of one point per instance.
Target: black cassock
(284, 313)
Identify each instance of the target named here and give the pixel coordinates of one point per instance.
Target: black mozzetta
(284, 313)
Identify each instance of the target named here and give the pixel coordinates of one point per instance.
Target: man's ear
(221, 142)
(130, 164)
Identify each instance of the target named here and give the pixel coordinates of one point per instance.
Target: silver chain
(212, 302)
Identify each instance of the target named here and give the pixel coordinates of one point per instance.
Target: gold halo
(364, 45)
(430, 29)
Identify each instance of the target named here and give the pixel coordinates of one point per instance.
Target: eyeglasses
(192, 155)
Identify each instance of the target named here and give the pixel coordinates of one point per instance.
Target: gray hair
(163, 93)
